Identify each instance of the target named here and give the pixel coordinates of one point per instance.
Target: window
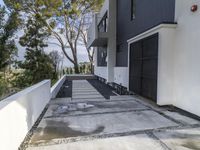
(133, 9)
(102, 56)
(103, 25)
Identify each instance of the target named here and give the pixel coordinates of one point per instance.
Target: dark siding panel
(136, 67)
(121, 54)
(149, 13)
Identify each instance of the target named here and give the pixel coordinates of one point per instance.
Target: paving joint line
(103, 101)
(111, 135)
(164, 115)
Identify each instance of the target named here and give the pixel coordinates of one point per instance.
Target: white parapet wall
(19, 112)
(55, 89)
(121, 76)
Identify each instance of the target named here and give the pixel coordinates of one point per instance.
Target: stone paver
(82, 89)
(121, 123)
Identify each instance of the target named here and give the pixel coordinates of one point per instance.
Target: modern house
(152, 48)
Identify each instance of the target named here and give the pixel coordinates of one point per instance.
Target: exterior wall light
(194, 8)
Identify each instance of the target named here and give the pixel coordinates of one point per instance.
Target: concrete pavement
(121, 123)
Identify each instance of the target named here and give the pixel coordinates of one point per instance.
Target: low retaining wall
(55, 89)
(19, 112)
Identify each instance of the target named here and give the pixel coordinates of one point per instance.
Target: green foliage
(71, 71)
(3, 86)
(9, 23)
(56, 59)
(84, 68)
(35, 34)
(7, 44)
(37, 65)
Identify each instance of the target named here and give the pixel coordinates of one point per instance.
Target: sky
(82, 53)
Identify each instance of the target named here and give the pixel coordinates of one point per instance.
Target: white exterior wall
(101, 72)
(19, 112)
(121, 76)
(108, 72)
(165, 87)
(187, 54)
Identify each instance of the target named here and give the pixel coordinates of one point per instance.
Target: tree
(84, 30)
(84, 40)
(71, 71)
(8, 27)
(9, 23)
(64, 72)
(37, 65)
(56, 59)
(62, 18)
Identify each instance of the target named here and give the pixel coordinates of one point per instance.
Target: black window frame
(103, 23)
(133, 9)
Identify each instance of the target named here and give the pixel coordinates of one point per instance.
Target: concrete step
(60, 100)
(87, 96)
(84, 90)
(88, 100)
(122, 97)
(86, 93)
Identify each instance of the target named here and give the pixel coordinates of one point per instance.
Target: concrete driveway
(121, 123)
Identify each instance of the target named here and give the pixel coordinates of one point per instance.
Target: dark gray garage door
(143, 67)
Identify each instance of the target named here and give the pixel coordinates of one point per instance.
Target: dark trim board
(143, 67)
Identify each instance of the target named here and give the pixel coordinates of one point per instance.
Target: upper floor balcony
(98, 31)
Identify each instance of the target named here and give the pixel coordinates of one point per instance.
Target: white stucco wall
(187, 54)
(101, 72)
(165, 82)
(121, 76)
(19, 112)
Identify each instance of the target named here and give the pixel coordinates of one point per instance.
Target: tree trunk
(92, 68)
(76, 69)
